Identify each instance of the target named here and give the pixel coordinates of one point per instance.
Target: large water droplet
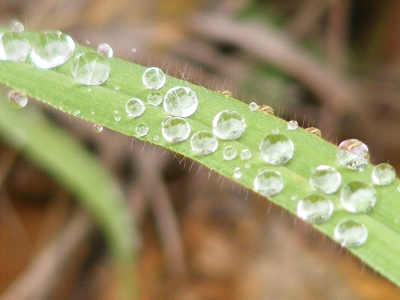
(51, 49)
(153, 78)
(16, 26)
(97, 128)
(276, 149)
(268, 182)
(314, 208)
(358, 197)
(350, 233)
(353, 154)
(180, 101)
(141, 129)
(292, 125)
(105, 50)
(245, 154)
(134, 108)
(253, 106)
(228, 125)
(229, 153)
(175, 129)
(325, 179)
(18, 99)
(203, 143)
(90, 69)
(154, 98)
(14, 46)
(237, 173)
(383, 174)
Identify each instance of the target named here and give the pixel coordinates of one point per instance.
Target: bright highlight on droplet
(17, 99)
(268, 183)
(292, 125)
(141, 129)
(97, 128)
(237, 173)
(90, 69)
(245, 154)
(358, 197)
(383, 174)
(175, 129)
(203, 143)
(228, 125)
(350, 233)
(153, 78)
(51, 49)
(105, 50)
(134, 108)
(229, 153)
(315, 208)
(16, 26)
(325, 179)
(180, 102)
(276, 149)
(154, 98)
(14, 46)
(253, 106)
(353, 154)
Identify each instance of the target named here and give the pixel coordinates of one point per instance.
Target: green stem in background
(57, 88)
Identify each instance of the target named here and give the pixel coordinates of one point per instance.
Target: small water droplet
(315, 208)
(275, 130)
(154, 98)
(134, 50)
(134, 108)
(105, 50)
(276, 149)
(97, 128)
(153, 78)
(93, 112)
(325, 179)
(225, 93)
(358, 197)
(156, 138)
(90, 69)
(228, 125)
(203, 143)
(292, 125)
(18, 99)
(89, 89)
(16, 26)
(116, 88)
(353, 154)
(268, 183)
(142, 129)
(175, 129)
(180, 101)
(229, 153)
(315, 131)
(267, 109)
(115, 111)
(247, 165)
(245, 154)
(237, 173)
(293, 198)
(383, 174)
(14, 46)
(117, 118)
(51, 49)
(253, 106)
(77, 112)
(350, 233)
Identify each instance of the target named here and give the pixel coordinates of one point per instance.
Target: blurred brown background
(331, 64)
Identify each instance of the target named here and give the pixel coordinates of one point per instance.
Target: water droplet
(229, 153)
(268, 182)
(314, 208)
(156, 138)
(117, 118)
(93, 112)
(16, 26)
(358, 197)
(175, 129)
(267, 109)
(90, 69)
(18, 99)
(350, 233)
(141, 129)
(134, 50)
(153, 78)
(276, 149)
(228, 125)
(134, 108)
(383, 174)
(51, 49)
(325, 179)
(314, 130)
(275, 130)
(353, 154)
(292, 125)
(77, 112)
(203, 143)
(116, 88)
(253, 106)
(115, 111)
(105, 50)
(237, 173)
(293, 198)
(14, 46)
(180, 101)
(154, 98)
(89, 89)
(245, 154)
(225, 93)
(97, 128)
(247, 165)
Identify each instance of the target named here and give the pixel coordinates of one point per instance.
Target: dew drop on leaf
(90, 69)
(314, 208)
(180, 102)
(141, 129)
(105, 50)
(153, 78)
(14, 47)
(175, 129)
(276, 149)
(228, 125)
(268, 182)
(154, 98)
(325, 179)
(16, 26)
(358, 197)
(117, 118)
(18, 99)
(97, 128)
(203, 143)
(292, 125)
(253, 106)
(353, 154)
(134, 108)
(237, 173)
(245, 154)
(350, 233)
(229, 153)
(383, 174)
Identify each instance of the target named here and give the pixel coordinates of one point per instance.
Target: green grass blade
(57, 88)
